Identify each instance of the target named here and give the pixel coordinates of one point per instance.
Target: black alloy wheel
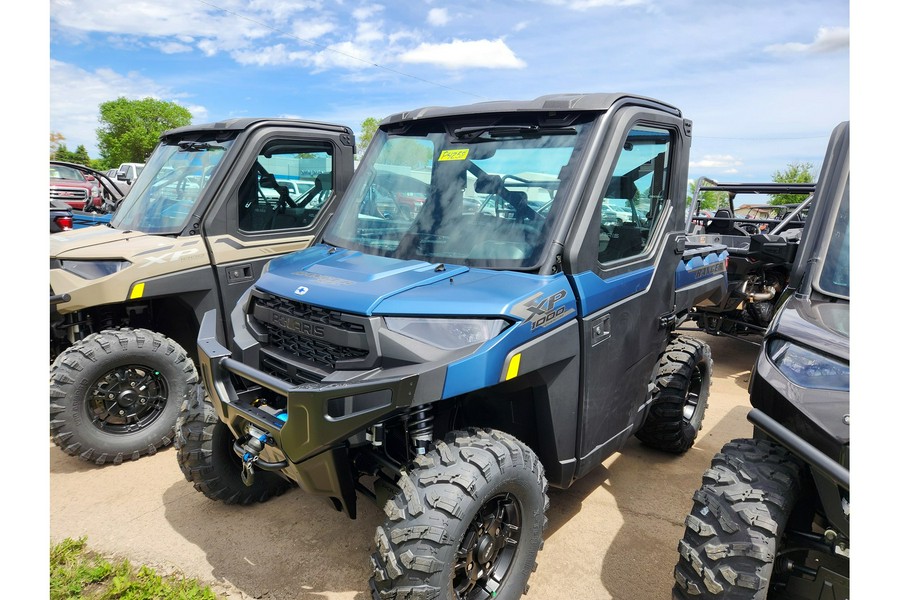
(488, 548)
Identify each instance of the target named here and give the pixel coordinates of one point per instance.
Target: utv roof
(555, 102)
(247, 122)
(758, 188)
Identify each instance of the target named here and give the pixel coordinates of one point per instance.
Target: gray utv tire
(682, 385)
(733, 532)
(467, 524)
(115, 395)
(205, 456)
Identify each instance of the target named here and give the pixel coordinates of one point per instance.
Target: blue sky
(764, 82)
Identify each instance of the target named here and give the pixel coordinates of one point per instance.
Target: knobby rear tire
(683, 378)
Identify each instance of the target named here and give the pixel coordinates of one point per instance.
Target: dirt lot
(612, 535)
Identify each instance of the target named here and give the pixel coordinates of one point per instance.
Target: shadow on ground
(293, 547)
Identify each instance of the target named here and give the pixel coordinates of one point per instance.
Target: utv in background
(193, 234)
(761, 251)
(772, 518)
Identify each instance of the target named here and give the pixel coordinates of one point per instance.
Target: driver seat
(721, 227)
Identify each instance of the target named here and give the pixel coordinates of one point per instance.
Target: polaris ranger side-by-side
(194, 232)
(491, 310)
(772, 517)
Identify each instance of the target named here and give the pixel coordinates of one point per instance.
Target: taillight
(65, 223)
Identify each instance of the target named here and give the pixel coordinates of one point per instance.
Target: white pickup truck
(126, 174)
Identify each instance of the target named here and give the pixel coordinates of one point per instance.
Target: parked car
(127, 173)
(71, 186)
(61, 218)
(296, 188)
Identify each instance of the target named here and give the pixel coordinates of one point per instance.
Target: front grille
(318, 352)
(308, 312)
(69, 194)
(304, 343)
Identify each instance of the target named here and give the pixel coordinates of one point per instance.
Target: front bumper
(320, 417)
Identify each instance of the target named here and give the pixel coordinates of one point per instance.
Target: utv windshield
(834, 278)
(481, 196)
(166, 192)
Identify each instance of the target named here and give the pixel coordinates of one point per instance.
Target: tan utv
(195, 231)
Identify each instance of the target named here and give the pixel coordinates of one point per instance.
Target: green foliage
(709, 200)
(79, 156)
(130, 129)
(794, 173)
(407, 153)
(76, 573)
(369, 127)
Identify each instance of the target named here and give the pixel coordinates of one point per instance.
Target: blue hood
(350, 281)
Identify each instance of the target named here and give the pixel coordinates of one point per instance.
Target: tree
(130, 129)
(369, 127)
(709, 200)
(795, 173)
(56, 139)
(79, 156)
(407, 153)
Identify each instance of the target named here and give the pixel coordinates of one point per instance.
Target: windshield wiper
(188, 146)
(468, 134)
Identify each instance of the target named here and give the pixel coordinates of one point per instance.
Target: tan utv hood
(150, 256)
(97, 242)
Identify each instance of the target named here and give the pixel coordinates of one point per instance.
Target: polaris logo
(301, 290)
(296, 325)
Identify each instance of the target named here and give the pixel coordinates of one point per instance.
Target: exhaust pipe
(767, 294)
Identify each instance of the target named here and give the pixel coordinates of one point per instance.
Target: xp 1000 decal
(542, 310)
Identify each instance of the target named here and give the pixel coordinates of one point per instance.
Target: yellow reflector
(513, 369)
(137, 291)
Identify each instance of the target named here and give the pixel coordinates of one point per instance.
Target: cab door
(280, 196)
(626, 247)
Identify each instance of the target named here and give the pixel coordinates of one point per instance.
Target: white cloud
(368, 32)
(488, 54)
(828, 39)
(310, 31)
(724, 162)
(346, 55)
(269, 56)
(172, 47)
(438, 17)
(77, 117)
(365, 12)
(236, 27)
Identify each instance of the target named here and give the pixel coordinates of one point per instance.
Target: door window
(287, 186)
(636, 194)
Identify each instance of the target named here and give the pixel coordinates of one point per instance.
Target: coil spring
(421, 428)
